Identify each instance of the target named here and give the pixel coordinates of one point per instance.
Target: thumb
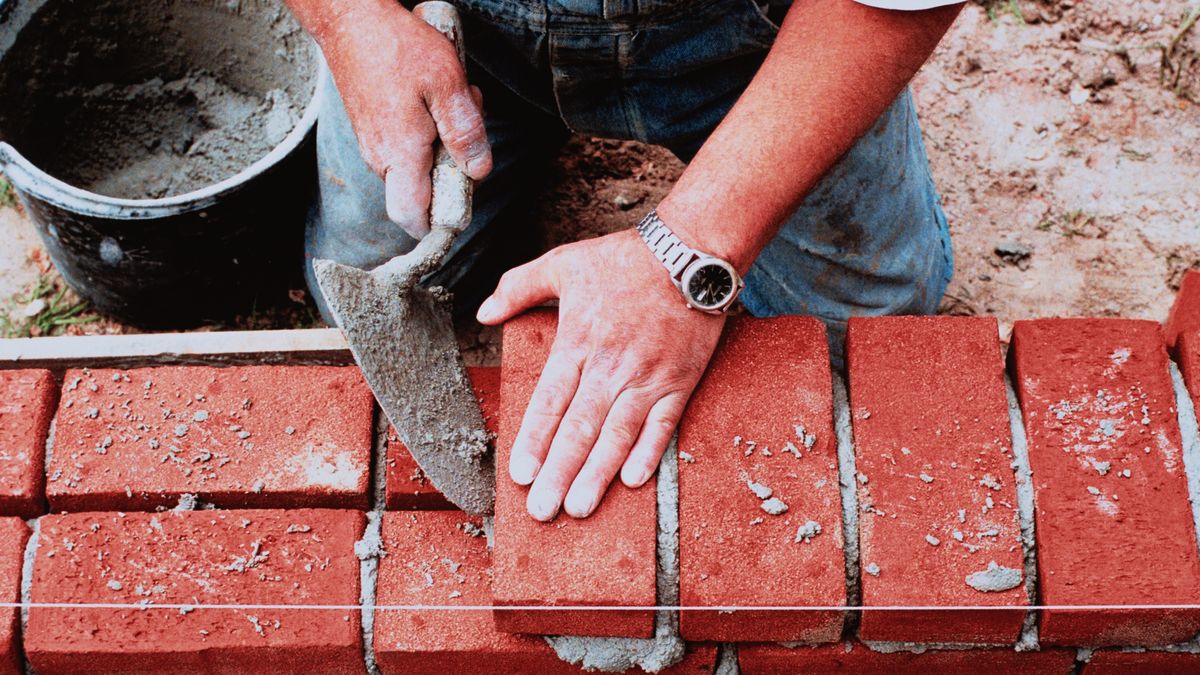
(519, 289)
(459, 119)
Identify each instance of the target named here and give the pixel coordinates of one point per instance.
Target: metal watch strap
(670, 251)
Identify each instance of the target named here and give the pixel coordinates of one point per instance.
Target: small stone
(761, 491)
(200, 416)
(994, 579)
(115, 585)
(872, 569)
(181, 430)
(933, 541)
(774, 506)
(807, 531)
(1013, 253)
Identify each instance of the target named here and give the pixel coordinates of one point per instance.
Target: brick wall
(205, 519)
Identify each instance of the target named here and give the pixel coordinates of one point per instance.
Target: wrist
(342, 25)
(698, 230)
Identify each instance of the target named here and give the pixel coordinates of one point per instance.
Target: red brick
(768, 377)
(1096, 394)
(432, 559)
(769, 659)
(1187, 355)
(13, 535)
(407, 486)
(932, 441)
(250, 557)
(1113, 662)
(26, 407)
(255, 436)
(1185, 311)
(607, 559)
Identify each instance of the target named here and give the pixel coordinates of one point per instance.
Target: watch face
(709, 286)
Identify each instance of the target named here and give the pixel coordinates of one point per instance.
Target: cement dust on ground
(1068, 171)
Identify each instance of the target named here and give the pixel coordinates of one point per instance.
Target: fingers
(573, 441)
(554, 391)
(652, 441)
(519, 289)
(620, 431)
(459, 118)
(408, 191)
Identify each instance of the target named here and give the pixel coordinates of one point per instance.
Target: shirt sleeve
(908, 4)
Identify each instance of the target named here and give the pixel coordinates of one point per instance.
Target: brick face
(852, 657)
(1114, 662)
(433, 560)
(1185, 312)
(769, 377)
(26, 407)
(407, 486)
(607, 559)
(256, 436)
(303, 556)
(13, 535)
(1187, 354)
(936, 488)
(1114, 526)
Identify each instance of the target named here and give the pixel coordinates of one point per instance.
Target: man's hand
(627, 355)
(403, 88)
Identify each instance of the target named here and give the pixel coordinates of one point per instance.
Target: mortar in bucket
(162, 149)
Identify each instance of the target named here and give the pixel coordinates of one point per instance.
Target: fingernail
(487, 311)
(524, 469)
(580, 508)
(642, 478)
(543, 507)
(478, 162)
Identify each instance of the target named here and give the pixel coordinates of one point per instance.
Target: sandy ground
(1068, 170)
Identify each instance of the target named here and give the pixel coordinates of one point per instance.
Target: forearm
(835, 67)
(331, 22)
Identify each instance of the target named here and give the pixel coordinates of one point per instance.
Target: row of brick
(760, 516)
(238, 437)
(175, 576)
(935, 486)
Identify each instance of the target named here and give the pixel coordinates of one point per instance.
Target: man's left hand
(627, 355)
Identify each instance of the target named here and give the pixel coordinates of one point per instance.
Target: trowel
(402, 336)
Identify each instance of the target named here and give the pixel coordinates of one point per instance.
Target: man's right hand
(403, 88)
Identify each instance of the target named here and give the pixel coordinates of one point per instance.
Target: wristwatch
(708, 283)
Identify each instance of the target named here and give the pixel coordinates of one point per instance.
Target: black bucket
(163, 150)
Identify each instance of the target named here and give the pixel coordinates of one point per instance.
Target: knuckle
(576, 428)
(464, 130)
(662, 423)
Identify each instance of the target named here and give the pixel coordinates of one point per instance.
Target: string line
(599, 608)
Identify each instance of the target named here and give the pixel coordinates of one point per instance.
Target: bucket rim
(28, 178)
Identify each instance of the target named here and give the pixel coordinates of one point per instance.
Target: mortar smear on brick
(847, 471)
(1024, 478)
(31, 545)
(665, 649)
(727, 660)
(372, 540)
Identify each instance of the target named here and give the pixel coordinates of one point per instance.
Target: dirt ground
(1063, 137)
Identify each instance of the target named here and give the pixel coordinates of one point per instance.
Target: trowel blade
(403, 339)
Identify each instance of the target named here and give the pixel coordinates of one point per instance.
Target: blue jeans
(870, 239)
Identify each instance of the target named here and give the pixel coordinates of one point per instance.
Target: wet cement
(151, 99)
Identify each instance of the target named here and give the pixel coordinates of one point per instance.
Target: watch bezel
(694, 267)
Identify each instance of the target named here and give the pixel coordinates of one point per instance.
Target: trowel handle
(450, 206)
